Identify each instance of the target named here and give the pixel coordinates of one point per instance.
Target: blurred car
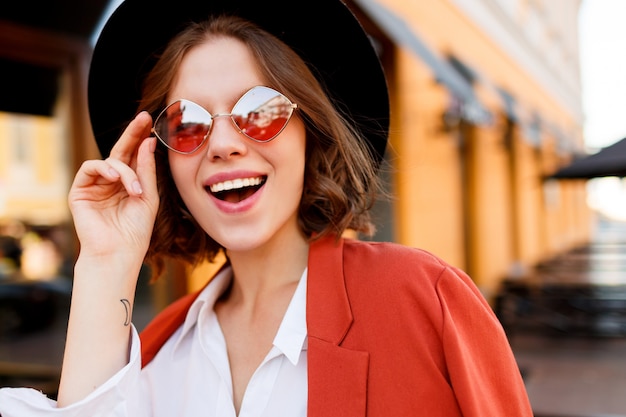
(31, 305)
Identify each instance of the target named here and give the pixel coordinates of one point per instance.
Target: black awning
(608, 162)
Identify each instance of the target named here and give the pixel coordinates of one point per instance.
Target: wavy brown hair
(340, 181)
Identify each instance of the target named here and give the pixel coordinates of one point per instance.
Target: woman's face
(268, 177)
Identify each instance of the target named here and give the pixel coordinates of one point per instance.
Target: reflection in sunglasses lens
(187, 132)
(260, 114)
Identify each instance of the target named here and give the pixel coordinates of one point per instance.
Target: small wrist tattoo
(128, 311)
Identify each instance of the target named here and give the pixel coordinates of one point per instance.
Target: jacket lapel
(337, 376)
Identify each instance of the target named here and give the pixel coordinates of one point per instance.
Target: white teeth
(235, 184)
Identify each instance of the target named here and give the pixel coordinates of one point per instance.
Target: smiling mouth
(235, 191)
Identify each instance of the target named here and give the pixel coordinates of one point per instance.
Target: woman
(269, 142)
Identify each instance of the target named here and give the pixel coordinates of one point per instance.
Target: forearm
(98, 329)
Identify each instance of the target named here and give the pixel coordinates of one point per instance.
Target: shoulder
(412, 280)
(392, 258)
(379, 268)
(403, 292)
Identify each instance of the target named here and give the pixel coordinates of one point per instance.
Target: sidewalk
(573, 377)
(578, 375)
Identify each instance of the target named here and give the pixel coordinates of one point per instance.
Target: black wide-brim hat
(325, 33)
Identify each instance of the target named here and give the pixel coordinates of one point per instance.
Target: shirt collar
(208, 296)
(291, 336)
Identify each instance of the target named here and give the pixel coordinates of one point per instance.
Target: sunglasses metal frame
(162, 114)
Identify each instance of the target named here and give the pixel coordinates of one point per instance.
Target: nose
(225, 141)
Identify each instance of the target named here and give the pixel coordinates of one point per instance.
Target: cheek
(294, 150)
(294, 162)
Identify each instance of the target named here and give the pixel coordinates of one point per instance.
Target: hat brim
(325, 33)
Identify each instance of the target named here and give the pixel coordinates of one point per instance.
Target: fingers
(138, 129)
(143, 177)
(94, 172)
(112, 170)
(127, 176)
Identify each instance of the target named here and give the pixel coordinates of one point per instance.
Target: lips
(236, 190)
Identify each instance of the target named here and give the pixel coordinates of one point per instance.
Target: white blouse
(190, 376)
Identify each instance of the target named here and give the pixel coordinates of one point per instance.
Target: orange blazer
(392, 331)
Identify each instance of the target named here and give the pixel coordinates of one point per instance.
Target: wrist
(119, 273)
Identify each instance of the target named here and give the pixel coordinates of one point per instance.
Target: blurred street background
(569, 344)
(506, 158)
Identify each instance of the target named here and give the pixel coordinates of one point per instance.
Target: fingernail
(114, 173)
(141, 114)
(137, 187)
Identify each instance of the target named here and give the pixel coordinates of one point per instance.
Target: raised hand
(114, 201)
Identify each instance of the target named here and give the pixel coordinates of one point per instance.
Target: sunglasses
(260, 114)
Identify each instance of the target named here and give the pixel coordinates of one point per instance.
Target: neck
(265, 270)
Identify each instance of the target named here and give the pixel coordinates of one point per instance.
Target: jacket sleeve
(483, 372)
(111, 399)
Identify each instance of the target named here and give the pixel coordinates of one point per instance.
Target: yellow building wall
(490, 209)
(498, 213)
(426, 162)
(528, 191)
(33, 177)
